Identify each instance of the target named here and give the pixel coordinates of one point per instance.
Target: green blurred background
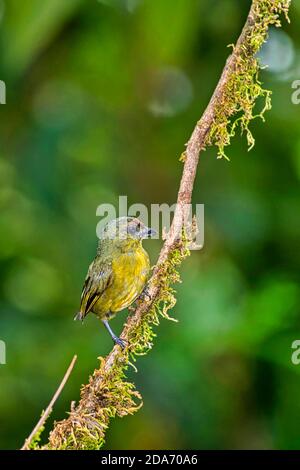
(101, 96)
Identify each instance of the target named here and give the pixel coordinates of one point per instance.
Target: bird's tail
(79, 316)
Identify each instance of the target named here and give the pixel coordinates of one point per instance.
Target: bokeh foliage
(101, 97)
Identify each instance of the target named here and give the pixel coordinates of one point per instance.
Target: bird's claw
(119, 341)
(145, 295)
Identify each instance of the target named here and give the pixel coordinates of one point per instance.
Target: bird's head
(127, 228)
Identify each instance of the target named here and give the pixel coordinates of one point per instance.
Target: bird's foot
(119, 341)
(145, 295)
(114, 337)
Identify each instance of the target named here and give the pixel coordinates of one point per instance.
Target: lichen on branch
(243, 88)
(109, 393)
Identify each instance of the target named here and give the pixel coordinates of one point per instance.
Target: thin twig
(48, 411)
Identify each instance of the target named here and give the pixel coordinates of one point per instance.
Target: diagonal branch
(40, 425)
(108, 394)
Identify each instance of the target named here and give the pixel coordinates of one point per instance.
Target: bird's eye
(138, 226)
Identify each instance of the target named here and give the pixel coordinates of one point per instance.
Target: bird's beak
(148, 232)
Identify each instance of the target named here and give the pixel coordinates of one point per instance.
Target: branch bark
(84, 420)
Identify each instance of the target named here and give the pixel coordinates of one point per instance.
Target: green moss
(106, 396)
(243, 89)
(35, 443)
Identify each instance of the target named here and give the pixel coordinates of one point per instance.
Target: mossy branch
(108, 393)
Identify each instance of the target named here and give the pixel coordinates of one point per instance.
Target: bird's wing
(98, 279)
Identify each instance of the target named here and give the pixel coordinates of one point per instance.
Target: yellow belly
(130, 274)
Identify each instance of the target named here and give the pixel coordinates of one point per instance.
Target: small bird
(119, 272)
